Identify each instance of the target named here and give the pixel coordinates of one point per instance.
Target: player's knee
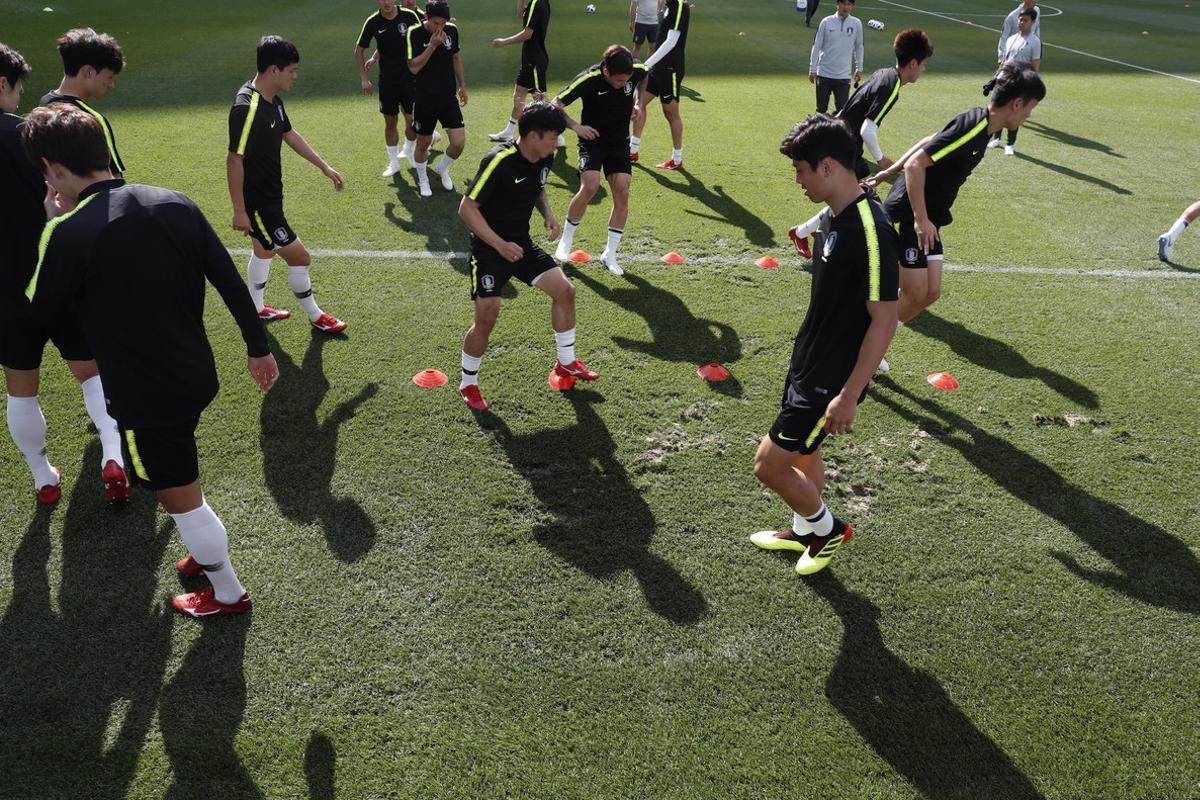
(566, 293)
(764, 470)
(932, 294)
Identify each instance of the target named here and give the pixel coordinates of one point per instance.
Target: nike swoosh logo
(518, 180)
(385, 30)
(196, 613)
(600, 93)
(272, 124)
(788, 438)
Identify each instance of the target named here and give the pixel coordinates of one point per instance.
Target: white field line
(1044, 43)
(748, 261)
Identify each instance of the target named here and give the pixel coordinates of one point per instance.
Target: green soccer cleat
(825, 547)
(781, 540)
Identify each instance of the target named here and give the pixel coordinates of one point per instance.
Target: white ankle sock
(821, 522)
(208, 542)
(302, 287)
(393, 154)
(27, 427)
(409, 146)
(422, 167)
(614, 240)
(677, 156)
(565, 342)
(800, 525)
(510, 128)
(470, 371)
(444, 163)
(568, 234)
(97, 408)
(635, 144)
(1177, 229)
(257, 272)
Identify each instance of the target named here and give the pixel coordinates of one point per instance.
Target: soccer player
(388, 27)
(1023, 49)
(511, 181)
(643, 24)
(130, 263)
(258, 126)
(872, 101)
(433, 56)
(666, 69)
(932, 172)
(22, 341)
(610, 97)
(90, 63)
(850, 322)
(1166, 242)
(837, 51)
(534, 61)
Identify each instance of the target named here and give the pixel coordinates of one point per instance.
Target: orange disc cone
(580, 257)
(741, 33)
(672, 258)
(942, 380)
(713, 372)
(766, 262)
(430, 378)
(563, 383)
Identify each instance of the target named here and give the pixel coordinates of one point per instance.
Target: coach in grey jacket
(1010, 27)
(837, 52)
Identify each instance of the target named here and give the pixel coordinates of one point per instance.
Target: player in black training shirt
(934, 169)
(666, 77)
(610, 97)
(142, 256)
(850, 322)
(90, 63)
(433, 56)
(389, 27)
(22, 341)
(535, 60)
(511, 181)
(258, 126)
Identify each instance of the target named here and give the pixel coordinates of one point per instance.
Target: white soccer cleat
(610, 260)
(1166, 248)
(993, 144)
(423, 188)
(562, 253)
(391, 170)
(1009, 150)
(499, 137)
(447, 181)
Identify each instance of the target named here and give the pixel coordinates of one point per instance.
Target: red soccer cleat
(633, 156)
(51, 493)
(801, 243)
(327, 323)
(204, 604)
(576, 369)
(269, 314)
(670, 164)
(473, 398)
(189, 567)
(116, 483)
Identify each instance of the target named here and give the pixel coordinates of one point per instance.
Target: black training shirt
(115, 162)
(22, 218)
(389, 36)
(537, 17)
(955, 151)
(859, 263)
(507, 188)
(604, 108)
(675, 17)
(435, 80)
(873, 100)
(131, 262)
(256, 129)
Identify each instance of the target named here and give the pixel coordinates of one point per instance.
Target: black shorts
(162, 457)
(533, 76)
(428, 113)
(664, 83)
(911, 255)
(269, 226)
(611, 156)
(645, 32)
(22, 342)
(800, 426)
(395, 94)
(490, 270)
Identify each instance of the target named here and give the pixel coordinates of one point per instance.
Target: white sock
(302, 287)
(568, 234)
(97, 408)
(510, 128)
(677, 156)
(27, 427)
(821, 522)
(1177, 229)
(208, 542)
(808, 227)
(800, 525)
(421, 167)
(444, 163)
(635, 144)
(614, 240)
(393, 155)
(256, 278)
(565, 342)
(409, 146)
(470, 370)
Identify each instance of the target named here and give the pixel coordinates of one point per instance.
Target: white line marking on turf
(1044, 43)
(748, 261)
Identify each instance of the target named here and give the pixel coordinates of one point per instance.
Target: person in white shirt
(1011, 24)
(643, 24)
(1023, 48)
(837, 53)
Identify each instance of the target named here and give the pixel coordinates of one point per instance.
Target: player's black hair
(12, 65)
(276, 51)
(912, 45)
(1014, 81)
(437, 8)
(541, 116)
(618, 60)
(1030, 12)
(820, 137)
(65, 135)
(83, 47)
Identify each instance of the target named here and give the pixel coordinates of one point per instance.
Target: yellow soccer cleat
(823, 548)
(781, 540)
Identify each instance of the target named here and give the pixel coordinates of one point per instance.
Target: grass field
(558, 599)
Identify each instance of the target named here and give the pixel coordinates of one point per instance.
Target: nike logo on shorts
(518, 180)
(787, 438)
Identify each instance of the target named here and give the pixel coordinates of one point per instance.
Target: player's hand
(637, 113)
(585, 132)
(497, 43)
(857, 77)
(333, 175)
(926, 234)
(367, 88)
(264, 370)
(438, 38)
(369, 64)
(885, 163)
(462, 95)
(553, 227)
(839, 415)
(511, 251)
(241, 222)
(871, 181)
(812, 77)
(631, 28)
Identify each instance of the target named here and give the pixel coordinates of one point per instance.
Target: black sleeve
(486, 179)
(950, 138)
(287, 121)
(223, 275)
(880, 91)
(57, 279)
(454, 42)
(575, 88)
(367, 33)
(889, 263)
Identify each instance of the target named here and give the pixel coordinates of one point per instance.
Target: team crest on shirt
(488, 282)
(628, 89)
(448, 44)
(830, 241)
(545, 175)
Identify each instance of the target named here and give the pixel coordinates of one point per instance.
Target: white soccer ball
(591, 9)
(875, 24)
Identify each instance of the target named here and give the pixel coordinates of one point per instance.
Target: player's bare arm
(462, 81)
(516, 38)
(839, 416)
(583, 131)
(235, 176)
(367, 88)
(543, 206)
(469, 213)
(304, 150)
(914, 176)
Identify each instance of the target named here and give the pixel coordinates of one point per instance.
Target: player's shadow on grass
(300, 452)
(1151, 565)
(601, 524)
(1070, 139)
(905, 714)
(320, 766)
(1071, 173)
(999, 356)
(435, 219)
(80, 677)
(725, 208)
(678, 336)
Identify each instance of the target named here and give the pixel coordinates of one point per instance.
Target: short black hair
(1030, 12)
(437, 8)
(67, 135)
(1014, 81)
(12, 65)
(912, 45)
(540, 116)
(276, 51)
(83, 47)
(618, 60)
(819, 137)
